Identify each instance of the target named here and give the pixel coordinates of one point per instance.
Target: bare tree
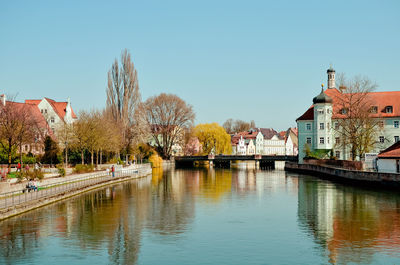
(123, 95)
(357, 125)
(233, 126)
(168, 116)
(16, 127)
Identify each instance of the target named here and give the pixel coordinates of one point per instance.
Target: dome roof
(322, 98)
(330, 70)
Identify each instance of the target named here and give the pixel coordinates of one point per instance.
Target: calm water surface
(202, 216)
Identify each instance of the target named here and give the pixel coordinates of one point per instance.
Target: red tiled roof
(379, 99)
(391, 152)
(59, 107)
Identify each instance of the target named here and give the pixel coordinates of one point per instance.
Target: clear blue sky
(260, 60)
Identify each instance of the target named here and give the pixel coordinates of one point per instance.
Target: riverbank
(13, 205)
(387, 180)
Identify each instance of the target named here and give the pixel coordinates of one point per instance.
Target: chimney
(3, 99)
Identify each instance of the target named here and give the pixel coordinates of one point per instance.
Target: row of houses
(265, 141)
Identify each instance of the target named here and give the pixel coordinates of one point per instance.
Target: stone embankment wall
(367, 177)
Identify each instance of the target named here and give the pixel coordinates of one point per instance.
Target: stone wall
(354, 175)
(352, 165)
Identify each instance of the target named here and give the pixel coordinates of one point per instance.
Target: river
(206, 216)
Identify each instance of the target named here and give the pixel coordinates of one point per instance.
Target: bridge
(225, 160)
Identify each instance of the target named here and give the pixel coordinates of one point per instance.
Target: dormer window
(374, 109)
(389, 109)
(344, 111)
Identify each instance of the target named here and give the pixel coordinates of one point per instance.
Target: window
(381, 139)
(45, 111)
(328, 126)
(343, 111)
(337, 140)
(327, 140)
(381, 124)
(308, 126)
(321, 140)
(41, 110)
(52, 119)
(389, 109)
(308, 140)
(336, 126)
(337, 154)
(320, 111)
(374, 109)
(396, 139)
(321, 126)
(396, 124)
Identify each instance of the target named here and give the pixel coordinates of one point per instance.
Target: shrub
(155, 161)
(83, 169)
(61, 170)
(37, 173)
(20, 176)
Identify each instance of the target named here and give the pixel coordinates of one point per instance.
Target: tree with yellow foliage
(213, 137)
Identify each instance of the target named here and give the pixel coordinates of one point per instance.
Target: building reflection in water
(351, 224)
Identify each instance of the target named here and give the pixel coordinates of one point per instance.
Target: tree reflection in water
(118, 223)
(350, 223)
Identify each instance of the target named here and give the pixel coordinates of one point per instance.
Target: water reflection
(129, 223)
(351, 224)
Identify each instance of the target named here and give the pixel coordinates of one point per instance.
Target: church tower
(322, 121)
(331, 77)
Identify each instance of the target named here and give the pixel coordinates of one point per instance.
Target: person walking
(113, 171)
(19, 167)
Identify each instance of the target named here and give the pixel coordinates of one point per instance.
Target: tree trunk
(20, 152)
(91, 156)
(101, 157)
(9, 155)
(82, 157)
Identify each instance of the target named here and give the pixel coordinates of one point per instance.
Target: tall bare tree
(358, 125)
(168, 116)
(123, 95)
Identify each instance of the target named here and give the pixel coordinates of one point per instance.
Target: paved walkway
(63, 185)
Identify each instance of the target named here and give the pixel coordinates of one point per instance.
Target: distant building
(318, 127)
(389, 159)
(247, 143)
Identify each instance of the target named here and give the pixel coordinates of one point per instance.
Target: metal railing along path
(14, 198)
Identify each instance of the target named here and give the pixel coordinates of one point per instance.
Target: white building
(55, 113)
(389, 159)
(319, 127)
(274, 146)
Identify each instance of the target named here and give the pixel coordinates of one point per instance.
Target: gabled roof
(59, 107)
(267, 132)
(379, 99)
(392, 151)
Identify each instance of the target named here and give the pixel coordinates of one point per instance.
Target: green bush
(37, 173)
(61, 171)
(28, 159)
(83, 169)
